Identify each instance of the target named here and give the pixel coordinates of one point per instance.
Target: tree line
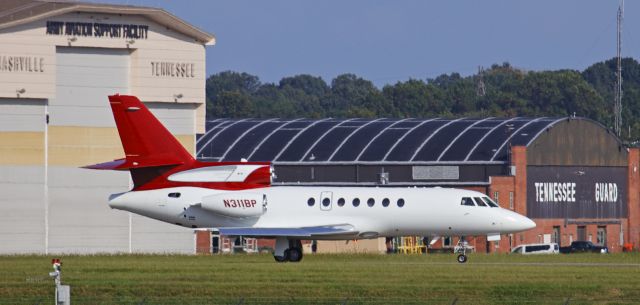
(499, 91)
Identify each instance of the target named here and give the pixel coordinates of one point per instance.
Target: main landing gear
(461, 248)
(287, 250)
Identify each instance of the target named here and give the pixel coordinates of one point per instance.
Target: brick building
(572, 176)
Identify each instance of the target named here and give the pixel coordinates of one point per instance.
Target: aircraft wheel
(282, 259)
(462, 258)
(295, 254)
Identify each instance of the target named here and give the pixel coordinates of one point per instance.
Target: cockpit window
(467, 201)
(479, 202)
(490, 202)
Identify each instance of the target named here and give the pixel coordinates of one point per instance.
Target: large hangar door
(22, 210)
(84, 79)
(81, 132)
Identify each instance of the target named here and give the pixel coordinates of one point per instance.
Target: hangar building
(58, 62)
(572, 176)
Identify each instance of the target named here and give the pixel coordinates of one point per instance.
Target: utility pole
(617, 108)
(480, 87)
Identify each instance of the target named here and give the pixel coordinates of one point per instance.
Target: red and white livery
(237, 198)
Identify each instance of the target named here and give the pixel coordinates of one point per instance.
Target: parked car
(551, 248)
(584, 246)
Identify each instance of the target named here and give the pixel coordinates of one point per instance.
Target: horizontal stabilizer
(290, 232)
(111, 165)
(138, 162)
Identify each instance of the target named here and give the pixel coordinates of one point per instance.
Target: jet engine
(236, 204)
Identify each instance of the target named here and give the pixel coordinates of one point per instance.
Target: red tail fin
(146, 142)
(143, 136)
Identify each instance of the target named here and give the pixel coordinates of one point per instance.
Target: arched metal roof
(464, 140)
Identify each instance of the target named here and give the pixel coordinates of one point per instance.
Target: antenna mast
(618, 93)
(480, 87)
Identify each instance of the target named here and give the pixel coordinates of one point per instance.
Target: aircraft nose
(527, 224)
(514, 222)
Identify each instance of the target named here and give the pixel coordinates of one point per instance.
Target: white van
(551, 248)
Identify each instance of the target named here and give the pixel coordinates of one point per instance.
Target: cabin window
(371, 202)
(311, 201)
(174, 195)
(341, 202)
(385, 202)
(326, 202)
(490, 202)
(356, 202)
(400, 202)
(467, 201)
(479, 202)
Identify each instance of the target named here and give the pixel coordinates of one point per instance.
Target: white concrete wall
(22, 115)
(22, 209)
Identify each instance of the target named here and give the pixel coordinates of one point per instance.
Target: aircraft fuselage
(372, 211)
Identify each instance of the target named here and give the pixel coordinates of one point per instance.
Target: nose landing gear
(287, 250)
(461, 249)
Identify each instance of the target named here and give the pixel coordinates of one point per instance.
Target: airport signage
(30, 64)
(576, 192)
(95, 29)
(173, 69)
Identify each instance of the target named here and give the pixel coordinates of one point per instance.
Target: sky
(391, 41)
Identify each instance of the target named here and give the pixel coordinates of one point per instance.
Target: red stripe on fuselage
(259, 178)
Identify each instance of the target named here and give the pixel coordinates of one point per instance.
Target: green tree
(233, 104)
(415, 98)
(353, 96)
(218, 85)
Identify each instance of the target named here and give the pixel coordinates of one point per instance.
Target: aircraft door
(326, 200)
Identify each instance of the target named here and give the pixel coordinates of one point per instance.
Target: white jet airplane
(237, 198)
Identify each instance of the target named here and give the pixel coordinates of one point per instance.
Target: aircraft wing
(309, 232)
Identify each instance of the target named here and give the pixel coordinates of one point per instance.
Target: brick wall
(504, 185)
(203, 242)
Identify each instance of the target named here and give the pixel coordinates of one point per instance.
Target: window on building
(555, 236)
(582, 233)
(385, 202)
(371, 202)
(446, 242)
(496, 197)
(601, 238)
(341, 202)
(467, 201)
(511, 200)
(311, 201)
(356, 202)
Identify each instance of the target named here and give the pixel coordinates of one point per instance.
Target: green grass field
(327, 279)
